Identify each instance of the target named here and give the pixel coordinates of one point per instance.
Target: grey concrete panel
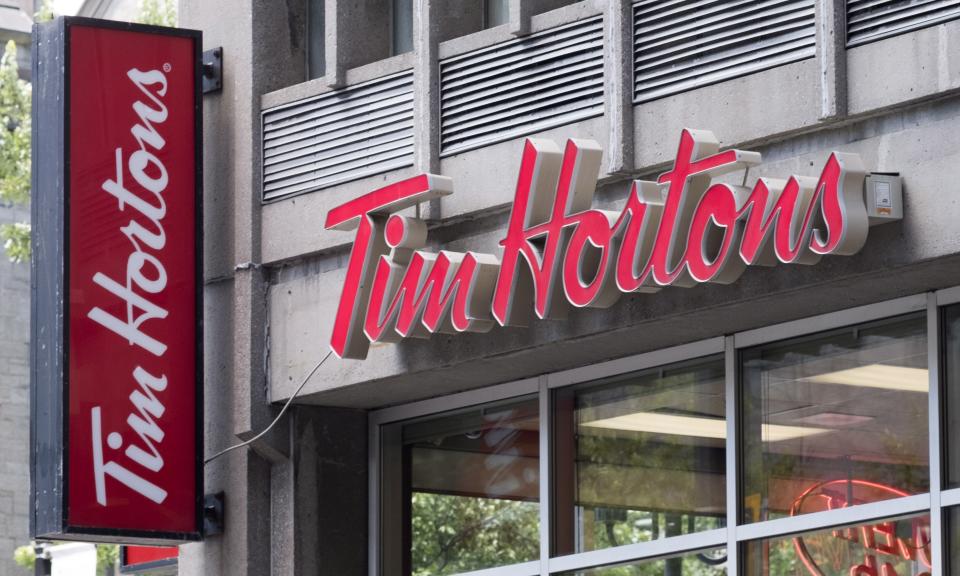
(293, 227)
(761, 106)
(330, 499)
(831, 57)
(459, 18)
(918, 254)
(357, 32)
(904, 68)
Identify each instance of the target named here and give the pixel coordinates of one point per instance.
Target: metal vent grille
(869, 20)
(685, 44)
(546, 79)
(344, 135)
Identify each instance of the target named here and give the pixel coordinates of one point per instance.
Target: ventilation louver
(522, 86)
(684, 44)
(338, 136)
(869, 20)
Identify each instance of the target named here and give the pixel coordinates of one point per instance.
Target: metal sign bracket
(212, 80)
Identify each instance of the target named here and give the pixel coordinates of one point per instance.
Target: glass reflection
(705, 563)
(899, 547)
(834, 420)
(951, 348)
(641, 457)
(473, 493)
(952, 516)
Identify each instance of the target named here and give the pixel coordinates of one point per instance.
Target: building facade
(795, 419)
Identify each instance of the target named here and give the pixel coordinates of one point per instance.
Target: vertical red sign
(133, 332)
(147, 559)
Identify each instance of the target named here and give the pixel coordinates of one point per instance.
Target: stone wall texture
(14, 403)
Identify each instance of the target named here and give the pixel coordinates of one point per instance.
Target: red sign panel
(132, 260)
(146, 559)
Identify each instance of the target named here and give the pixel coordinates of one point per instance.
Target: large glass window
(638, 462)
(896, 547)
(836, 419)
(465, 487)
(316, 50)
(401, 26)
(952, 519)
(495, 13)
(641, 457)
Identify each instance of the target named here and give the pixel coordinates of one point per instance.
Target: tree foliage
(158, 12)
(14, 151)
(454, 534)
(25, 557)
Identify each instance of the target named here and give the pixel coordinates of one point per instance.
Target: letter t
(368, 214)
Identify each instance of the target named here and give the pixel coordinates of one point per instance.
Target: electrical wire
(275, 420)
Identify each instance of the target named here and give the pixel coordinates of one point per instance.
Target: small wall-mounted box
(883, 196)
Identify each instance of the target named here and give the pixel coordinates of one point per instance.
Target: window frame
(736, 534)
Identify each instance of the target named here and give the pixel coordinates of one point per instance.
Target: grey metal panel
(47, 283)
(869, 20)
(339, 136)
(522, 86)
(684, 44)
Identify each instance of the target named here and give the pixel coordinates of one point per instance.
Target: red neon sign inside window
(883, 544)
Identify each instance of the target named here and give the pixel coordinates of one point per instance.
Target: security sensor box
(883, 197)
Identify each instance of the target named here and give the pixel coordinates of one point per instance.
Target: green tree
(158, 12)
(14, 151)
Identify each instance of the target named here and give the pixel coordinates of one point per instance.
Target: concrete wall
(14, 403)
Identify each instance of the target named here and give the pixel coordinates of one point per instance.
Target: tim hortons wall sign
(117, 307)
(681, 230)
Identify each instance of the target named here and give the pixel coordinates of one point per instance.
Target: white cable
(275, 420)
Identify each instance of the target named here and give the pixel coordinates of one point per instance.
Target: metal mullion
(652, 550)
(948, 296)
(854, 515)
(831, 320)
(732, 469)
(950, 498)
(546, 478)
(936, 454)
(531, 568)
(638, 362)
(455, 401)
(373, 498)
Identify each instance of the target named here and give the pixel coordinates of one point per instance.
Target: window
(829, 468)
(894, 547)
(495, 13)
(841, 415)
(464, 484)
(316, 42)
(641, 457)
(951, 353)
(401, 27)
(952, 519)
